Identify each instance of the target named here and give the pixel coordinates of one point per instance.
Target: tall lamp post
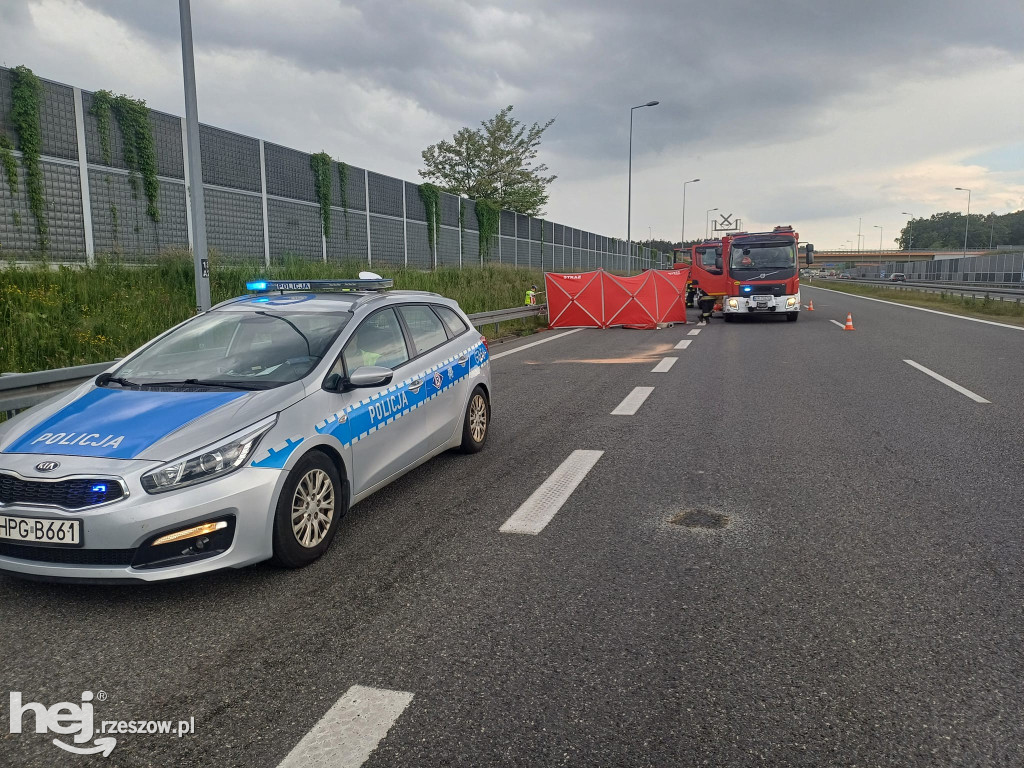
(879, 228)
(200, 255)
(910, 245)
(967, 227)
(707, 221)
(682, 236)
(629, 199)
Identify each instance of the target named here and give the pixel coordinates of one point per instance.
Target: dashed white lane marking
(538, 510)
(836, 322)
(534, 344)
(633, 401)
(664, 365)
(351, 729)
(924, 309)
(947, 382)
(684, 343)
(693, 332)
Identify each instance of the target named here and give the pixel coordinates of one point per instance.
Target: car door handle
(463, 359)
(414, 386)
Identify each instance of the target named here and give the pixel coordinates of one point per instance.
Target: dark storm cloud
(740, 72)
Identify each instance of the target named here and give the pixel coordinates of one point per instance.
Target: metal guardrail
(22, 390)
(1012, 289)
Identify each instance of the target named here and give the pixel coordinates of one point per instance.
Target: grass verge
(984, 309)
(53, 318)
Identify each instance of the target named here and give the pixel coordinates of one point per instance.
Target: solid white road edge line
(836, 322)
(694, 332)
(534, 344)
(351, 729)
(633, 401)
(924, 309)
(684, 344)
(664, 365)
(947, 382)
(538, 510)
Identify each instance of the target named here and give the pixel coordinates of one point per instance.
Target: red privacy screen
(601, 300)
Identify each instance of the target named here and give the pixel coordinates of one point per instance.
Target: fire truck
(750, 273)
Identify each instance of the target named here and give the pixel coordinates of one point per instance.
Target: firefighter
(707, 308)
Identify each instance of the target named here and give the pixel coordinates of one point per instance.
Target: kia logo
(47, 466)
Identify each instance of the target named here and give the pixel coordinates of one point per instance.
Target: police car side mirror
(370, 376)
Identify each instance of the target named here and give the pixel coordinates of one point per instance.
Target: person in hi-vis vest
(531, 296)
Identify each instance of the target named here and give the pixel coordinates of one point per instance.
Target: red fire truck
(751, 272)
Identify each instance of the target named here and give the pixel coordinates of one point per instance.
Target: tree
(493, 162)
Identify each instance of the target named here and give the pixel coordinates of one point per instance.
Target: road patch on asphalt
(351, 729)
(701, 518)
(537, 511)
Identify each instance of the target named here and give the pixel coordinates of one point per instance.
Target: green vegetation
(321, 165)
(986, 308)
(138, 145)
(70, 316)
(493, 162)
(343, 185)
(9, 164)
(945, 231)
(488, 216)
(430, 194)
(27, 98)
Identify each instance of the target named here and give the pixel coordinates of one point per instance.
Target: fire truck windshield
(762, 256)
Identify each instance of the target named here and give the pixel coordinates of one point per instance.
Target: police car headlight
(213, 461)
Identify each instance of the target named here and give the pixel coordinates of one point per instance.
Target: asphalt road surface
(978, 292)
(852, 593)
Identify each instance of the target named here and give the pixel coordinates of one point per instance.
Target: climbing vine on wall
(488, 214)
(27, 97)
(138, 145)
(430, 194)
(321, 165)
(9, 164)
(343, 182)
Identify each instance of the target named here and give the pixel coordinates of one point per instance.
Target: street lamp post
(910, 245)
(682, 235)
(967, 227)
(879, 228)
(707, 221)
(858, 233)
(629, 198)
(991, 229)
(200, 255)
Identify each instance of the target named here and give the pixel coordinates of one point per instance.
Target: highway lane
(860, 608)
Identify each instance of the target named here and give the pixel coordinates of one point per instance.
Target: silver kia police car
(242, 434)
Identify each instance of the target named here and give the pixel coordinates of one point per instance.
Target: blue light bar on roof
(319, 285)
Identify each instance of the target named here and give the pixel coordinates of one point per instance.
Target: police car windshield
(761, 256)
(250, 350)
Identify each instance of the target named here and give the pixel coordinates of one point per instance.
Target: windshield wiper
(106, 378)
(207, 383)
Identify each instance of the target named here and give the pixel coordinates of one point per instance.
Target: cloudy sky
(808, 112)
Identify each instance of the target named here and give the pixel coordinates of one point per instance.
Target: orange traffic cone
(849, 322)
(810, 305)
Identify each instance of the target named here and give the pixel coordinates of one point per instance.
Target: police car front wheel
(308, 511)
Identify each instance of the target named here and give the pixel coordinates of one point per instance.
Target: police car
(242, 434)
